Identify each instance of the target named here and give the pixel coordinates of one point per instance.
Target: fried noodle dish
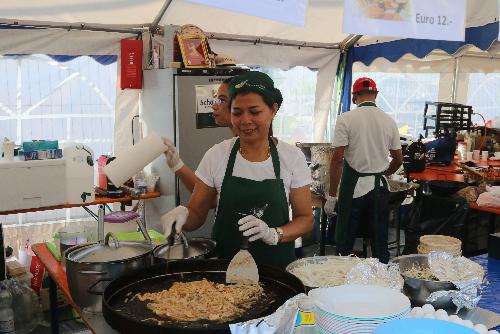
(202, 300)
(420, 272)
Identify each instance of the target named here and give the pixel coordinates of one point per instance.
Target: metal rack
(446, 116)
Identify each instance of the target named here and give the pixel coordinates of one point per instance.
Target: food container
(182, 248)
(90, 267)
(419, 289)
(322, 271)
(439, 243)
(306, 148)
(71, 236)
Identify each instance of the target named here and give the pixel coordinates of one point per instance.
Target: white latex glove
(329, 207)
(258, 229)
(174, 162)
(178, 216)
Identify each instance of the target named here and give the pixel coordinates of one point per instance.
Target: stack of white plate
(357, 309)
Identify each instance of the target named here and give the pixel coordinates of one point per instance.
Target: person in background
(363, 140)
(254, 178)
(222, 117)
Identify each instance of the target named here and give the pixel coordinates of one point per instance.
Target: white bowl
(365, 302)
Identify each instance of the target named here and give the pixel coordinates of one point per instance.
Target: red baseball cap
(364, 84)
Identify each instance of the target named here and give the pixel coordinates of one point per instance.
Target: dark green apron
(348, 182)
(240, 197)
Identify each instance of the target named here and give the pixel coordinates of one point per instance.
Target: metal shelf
(445, 116)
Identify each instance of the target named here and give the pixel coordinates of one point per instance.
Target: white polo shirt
(368, 134)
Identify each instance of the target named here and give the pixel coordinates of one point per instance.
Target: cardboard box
(45, 299)
(14, 268)
(43, 154)
(37, 145)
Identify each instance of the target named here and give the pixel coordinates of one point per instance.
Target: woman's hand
(258, 229)
(178, 216)
(174, 162)
(331, 202)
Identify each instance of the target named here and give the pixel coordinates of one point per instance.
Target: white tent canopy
(323, 20)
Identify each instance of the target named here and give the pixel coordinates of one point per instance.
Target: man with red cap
(363, 140)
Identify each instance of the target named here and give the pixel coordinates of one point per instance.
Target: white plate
(360, 301)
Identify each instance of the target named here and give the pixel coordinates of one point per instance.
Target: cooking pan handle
(91, 290)
(90, 272)
(112, 236)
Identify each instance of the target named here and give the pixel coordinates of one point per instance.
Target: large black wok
(130, 316)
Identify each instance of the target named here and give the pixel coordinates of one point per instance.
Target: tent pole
(455, 81)
(76, 26)
(158, 17)
(346, 44)
(270, 41)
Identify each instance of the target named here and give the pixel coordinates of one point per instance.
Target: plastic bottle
(6, 311)
(25, 304)
(304, 321)
(156, 59)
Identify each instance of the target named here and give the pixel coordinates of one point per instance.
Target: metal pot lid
(196, 247)
(100, 252)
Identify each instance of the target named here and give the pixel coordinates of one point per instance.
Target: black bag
(414, 157)
(435, 215)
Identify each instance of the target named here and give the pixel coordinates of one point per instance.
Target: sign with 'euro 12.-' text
(286, 11)
(422, 19)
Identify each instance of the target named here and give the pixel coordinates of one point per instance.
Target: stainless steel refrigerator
(172, 107)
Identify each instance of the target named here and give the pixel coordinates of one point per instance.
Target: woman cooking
(254, 179)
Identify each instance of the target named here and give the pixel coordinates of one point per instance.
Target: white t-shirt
(368, 134)
(293, 167)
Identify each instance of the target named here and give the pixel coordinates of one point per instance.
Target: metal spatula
(242, 269)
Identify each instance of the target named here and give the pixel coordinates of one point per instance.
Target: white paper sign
(422, 19)
(205, 95)
(287, 11)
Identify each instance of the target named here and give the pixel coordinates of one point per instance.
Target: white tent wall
(60, 42)
(286, 57)
(410, 64)
(468, 60)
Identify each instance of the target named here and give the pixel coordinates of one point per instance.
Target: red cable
(485, 131)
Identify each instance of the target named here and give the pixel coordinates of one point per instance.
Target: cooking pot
(182, 248)
(419, 289)
(90, 267)
(306, 148)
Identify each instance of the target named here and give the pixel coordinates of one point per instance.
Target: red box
(131, 64)
(37, 269)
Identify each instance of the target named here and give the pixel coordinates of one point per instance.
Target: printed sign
(422, 19)
(205, 95)
(286, 11)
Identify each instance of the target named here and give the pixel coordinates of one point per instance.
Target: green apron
(350, 176)
(240, 197)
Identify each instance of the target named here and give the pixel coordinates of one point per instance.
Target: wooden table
(98, 200)
(449, 173)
